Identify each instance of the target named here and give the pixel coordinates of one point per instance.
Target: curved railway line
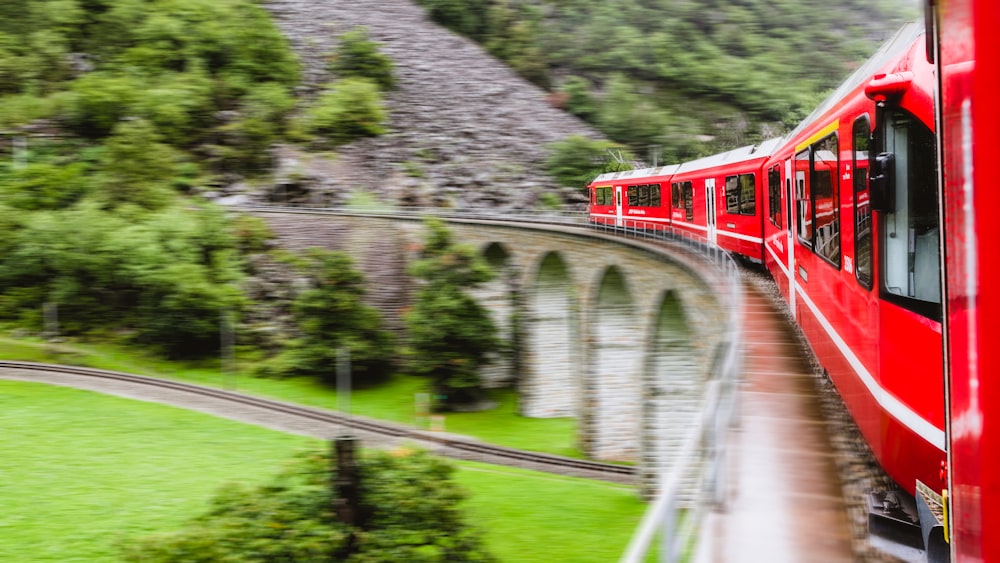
(305, 420)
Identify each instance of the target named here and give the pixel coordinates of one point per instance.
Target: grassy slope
(81, 471)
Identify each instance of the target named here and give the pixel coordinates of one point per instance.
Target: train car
(852, 238)
(968, 58)
(632, 198)
(731, 184)
(715, 199)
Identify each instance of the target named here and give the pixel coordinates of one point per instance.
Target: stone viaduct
(621, 336)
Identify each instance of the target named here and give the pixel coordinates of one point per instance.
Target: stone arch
(550, 382)
(612, 419)
(672, 390)
(499, 296)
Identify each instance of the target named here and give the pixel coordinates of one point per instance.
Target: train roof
(668, 170)
(741, 154)
(895, 46)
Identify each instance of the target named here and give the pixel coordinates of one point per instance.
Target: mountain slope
(465, 130)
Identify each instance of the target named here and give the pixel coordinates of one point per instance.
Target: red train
(715, 198)
(860, 214)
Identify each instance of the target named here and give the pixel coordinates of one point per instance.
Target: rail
(676, 512)
(455, 446)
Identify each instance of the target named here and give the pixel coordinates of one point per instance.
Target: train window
(862, 202)
(741, 196)
(909, 233)
(748, 194)
(826, 199)
(732, 196)
(774, 195)
(675, 195)
(654, 195)
(688, 193)
(643, 195)
(803, 199)
(633, 196)
(603, 196)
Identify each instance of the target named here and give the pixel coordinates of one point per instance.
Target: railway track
(307, 420)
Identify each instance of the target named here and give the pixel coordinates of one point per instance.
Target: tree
(411, 510)
(137, 168)
(330, 316)
(450, 334)
(575, 161)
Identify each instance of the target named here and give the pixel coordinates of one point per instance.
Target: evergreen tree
(331, 316)
(451, 335)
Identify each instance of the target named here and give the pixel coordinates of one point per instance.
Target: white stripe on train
(890, 404)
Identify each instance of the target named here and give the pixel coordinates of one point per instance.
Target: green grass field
(394, 401)
(82, 471)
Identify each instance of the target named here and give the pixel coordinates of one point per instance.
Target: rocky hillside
(465, 130)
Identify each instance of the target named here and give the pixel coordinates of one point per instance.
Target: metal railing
(675, 515)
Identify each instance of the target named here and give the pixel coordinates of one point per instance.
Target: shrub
(45, 185)
(350, 109)
(359, 57)
(99, 100)
(136, 167)
(576, 160)
(408, 510)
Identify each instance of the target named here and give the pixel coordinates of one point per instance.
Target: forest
(687, 77)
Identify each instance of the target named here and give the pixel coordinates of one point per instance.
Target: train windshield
(910, 232)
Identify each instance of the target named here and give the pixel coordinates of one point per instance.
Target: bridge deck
(785, 501)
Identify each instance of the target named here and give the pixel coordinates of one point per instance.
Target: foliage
(136, 167)
(464, 16)
(450, 334)
(166, 276)
(688, 62)
(349, 109)
(576, 161)
(579, 100)
(145, 98)
(99, 100)
(408, 499)
(44, 185)
(627, 114)
(195, 70)
(331, 317)
(357, 56)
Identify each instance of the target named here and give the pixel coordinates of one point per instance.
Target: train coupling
(912, 529)
(893, 517)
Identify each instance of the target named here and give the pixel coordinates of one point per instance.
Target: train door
(618, 207)
(904, 194)
(790, 234)
(710, 209)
